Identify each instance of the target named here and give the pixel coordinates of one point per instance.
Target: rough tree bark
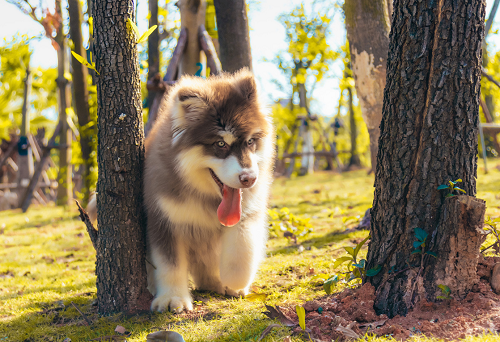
(428, 137)
(368, 25)
(65, 187)
(121, 251)
(153, 49)
(192, 16)
(81, 93)
(234, 41)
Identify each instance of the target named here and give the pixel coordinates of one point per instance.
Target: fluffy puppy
(207, 175)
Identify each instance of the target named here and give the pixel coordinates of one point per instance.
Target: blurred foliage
(491, 92)
(293, 226)
(15, 57)
(285, 114)
(308, 56)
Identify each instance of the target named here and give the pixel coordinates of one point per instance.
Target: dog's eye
(221, 144)
(250, 142)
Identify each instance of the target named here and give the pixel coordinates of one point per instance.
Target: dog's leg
(168, 255)
(204, 267)
(242, 250)
(171, 280)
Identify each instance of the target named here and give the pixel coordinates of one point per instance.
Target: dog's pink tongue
(229, 211)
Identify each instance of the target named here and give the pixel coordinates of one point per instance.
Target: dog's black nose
(247, 179)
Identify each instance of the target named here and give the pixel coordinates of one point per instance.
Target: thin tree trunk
(192, 16)
(25, 157)
(81, 93)
(428, 137)
(234, 41)
(368, 26)
(153, 50)
(121, 249)
(65, 187)
(307, 162)
(354, 161)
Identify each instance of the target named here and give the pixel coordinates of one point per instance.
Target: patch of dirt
(351, 311)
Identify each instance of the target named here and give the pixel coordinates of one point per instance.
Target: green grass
(47, 262)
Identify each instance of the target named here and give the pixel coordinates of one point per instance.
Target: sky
(267, 39)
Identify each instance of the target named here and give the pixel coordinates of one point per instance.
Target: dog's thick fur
(185, 235)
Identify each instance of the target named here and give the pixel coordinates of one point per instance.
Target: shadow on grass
(319, 242)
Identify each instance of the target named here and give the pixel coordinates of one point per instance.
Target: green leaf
(340, 261)
(330, 283)
(442, 187)
(445, 289)
(416, 251)
(417, 244)
(449, 195)
(83, 61)
(349, 250)
(133, 27)
(421, 234)
(432, 254)
(301, 313)
(459, 189)
(254, 297)
(361, 264)
(442, 297)
(146, 34)
(359, 245)
(373, 271)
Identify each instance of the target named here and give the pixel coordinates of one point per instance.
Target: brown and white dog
(207, 176)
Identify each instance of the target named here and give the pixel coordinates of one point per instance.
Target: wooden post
(25, 159)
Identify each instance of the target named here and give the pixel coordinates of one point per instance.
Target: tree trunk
(354, 161)
(153, 50)
(428, 137)
(81, 93)
(234, 41)
(65, 187)
(121, 251)
(25, 155)
(307, 160)
(192, 16)
(368, 26)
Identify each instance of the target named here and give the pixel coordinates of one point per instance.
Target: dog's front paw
(238, 293)
(176, 303)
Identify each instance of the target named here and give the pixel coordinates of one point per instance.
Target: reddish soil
(476, 314)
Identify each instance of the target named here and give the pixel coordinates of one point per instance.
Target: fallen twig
(89, 323)
(90, 228)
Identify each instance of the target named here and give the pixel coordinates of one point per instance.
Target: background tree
(54, 30)
(120, 240)
(65, 178)
(428, 137)
(81, 95)
(368, 25)
(305, 63)
(153, 48)
(192, 16)
(234, 41)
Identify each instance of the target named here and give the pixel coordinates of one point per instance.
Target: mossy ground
(47, 262)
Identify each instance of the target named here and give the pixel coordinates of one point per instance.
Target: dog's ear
(245, 82)
(193, 103)
(190, 104)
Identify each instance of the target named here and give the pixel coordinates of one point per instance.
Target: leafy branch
(451, 187)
